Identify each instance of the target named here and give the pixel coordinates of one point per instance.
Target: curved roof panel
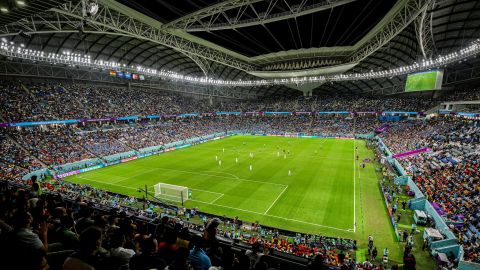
(450, 24)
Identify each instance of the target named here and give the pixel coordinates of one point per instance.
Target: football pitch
(327, 192)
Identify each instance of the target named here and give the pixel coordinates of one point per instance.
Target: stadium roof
(246, 39)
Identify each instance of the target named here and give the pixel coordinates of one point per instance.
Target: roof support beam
(423, 29)
(63, 42)
(116, 19)
(105, 46)
(112, 18)
(132, 59)
(406, 14)
(121, 47)
(195, 24)
(220, 8)
(202, 63)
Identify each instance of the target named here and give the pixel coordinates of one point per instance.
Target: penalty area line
(202, 190)
(212, 202)
(215, 172)
(135, 175)
(273, 216)
(235, 208)
(278, 197)
(105, 183)
(220, 176)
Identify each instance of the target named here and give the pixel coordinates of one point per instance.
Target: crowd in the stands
(101, 143)
(57, 145)
(33, 100)
(53, 146)
(14, 161)
(60, 225)
(449, 175)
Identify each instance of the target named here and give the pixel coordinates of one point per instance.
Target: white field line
(278, 197)
(169, 200)
(212, 202)
(238, 209)
(219, 176)
(233, 175)
(274, 153)
(329, 158)
(166, 199)
(354, 189)
(105, 183)
(117, 185)
(241, 150)
(120, 178)
(135, 175)
(273, 216)
(228, 207)
(205, 191)
(309, 223)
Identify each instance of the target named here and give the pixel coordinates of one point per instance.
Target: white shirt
(122, 253)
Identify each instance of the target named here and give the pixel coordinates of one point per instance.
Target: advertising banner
(128, 159)
(107, 119)
(411, 153)
(227, 113)
(53, 122)
(63, 175)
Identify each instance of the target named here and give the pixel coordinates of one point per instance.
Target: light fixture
(92, 9)
(4, 9)
(74, 59)
(20, 3)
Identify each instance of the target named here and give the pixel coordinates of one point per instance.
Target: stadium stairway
(25, 150)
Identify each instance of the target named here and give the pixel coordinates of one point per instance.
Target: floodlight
(92, 9)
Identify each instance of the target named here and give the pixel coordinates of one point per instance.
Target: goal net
(172, 192)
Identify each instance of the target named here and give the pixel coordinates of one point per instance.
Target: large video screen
(424, 81)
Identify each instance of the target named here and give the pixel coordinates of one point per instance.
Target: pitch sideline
(354, 186)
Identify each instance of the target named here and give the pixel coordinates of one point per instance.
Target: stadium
(239, 134)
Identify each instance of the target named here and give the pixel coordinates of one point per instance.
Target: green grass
(325, 193)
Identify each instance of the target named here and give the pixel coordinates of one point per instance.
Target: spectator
(167, 248)
(86, 258)
(147, 259)
(64, 234)
(180, 262)
(120, 254)
(23, 243)
(198, 257)
(254, 254)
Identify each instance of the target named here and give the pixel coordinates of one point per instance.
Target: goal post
(174, 193)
